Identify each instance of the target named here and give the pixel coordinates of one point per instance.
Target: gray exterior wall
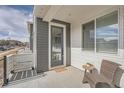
(31, 37)
(42, 41)
(68, 40)
(42, 45)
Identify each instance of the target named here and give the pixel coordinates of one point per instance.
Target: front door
(56, 46)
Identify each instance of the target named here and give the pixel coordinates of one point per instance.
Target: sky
(108, 33)
(13, 22)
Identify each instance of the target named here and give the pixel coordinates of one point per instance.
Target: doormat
(60, 69)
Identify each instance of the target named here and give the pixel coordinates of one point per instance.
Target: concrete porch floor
(70, 78)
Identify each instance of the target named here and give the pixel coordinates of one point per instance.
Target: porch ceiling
(68, 13)
(41, 10)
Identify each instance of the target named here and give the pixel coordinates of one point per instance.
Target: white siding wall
(79, 57)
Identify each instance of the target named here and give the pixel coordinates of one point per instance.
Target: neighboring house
(74, 35)
(30, 29)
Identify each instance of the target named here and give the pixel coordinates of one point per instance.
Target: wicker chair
(110, 75)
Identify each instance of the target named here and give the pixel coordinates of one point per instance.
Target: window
(106, 39)
(107, 33)
(88, 36)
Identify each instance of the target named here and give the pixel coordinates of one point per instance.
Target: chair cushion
(94, 78)
(108, 69)
(102, 85)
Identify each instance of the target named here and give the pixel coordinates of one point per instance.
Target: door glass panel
(56, 46)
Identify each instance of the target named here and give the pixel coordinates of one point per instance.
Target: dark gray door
(56, 46)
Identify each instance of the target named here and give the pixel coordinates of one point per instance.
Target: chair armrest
(95, 71)
(122, 68)
(117, 76)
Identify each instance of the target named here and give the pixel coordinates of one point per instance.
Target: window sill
(105, 54)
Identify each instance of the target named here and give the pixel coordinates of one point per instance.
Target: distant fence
(12, 51)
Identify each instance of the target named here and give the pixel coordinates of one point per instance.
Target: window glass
(107, 33)
(88, 36)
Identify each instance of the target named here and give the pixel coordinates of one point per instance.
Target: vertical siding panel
(31, 37)
(42, 45)
(68, 43)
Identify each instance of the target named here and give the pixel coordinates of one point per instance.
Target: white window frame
(98, 16)
(83, 35)
(64, 44)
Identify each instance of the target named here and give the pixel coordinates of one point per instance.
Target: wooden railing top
(12, 51)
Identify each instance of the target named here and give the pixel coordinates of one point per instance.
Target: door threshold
(57, 67)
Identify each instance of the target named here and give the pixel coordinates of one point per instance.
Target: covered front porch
(81, 46)
(93, 33)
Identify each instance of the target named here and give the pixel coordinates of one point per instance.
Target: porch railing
(22, 61)
(19, 62)
(13, 61)
(3, 79)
